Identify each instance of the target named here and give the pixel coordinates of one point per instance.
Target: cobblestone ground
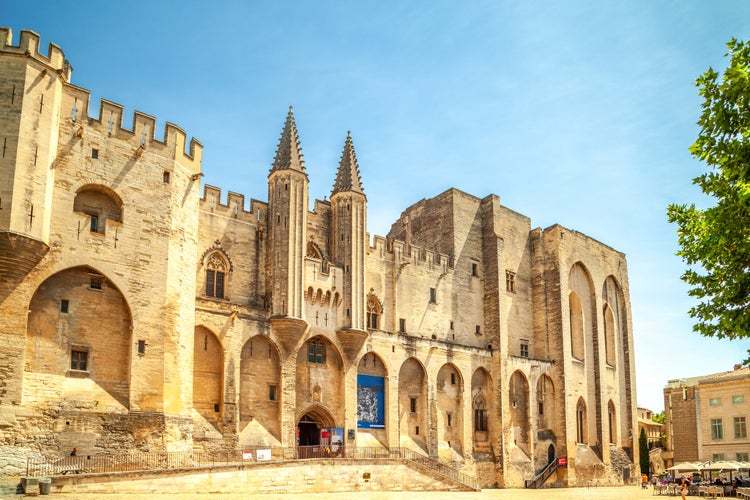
(620, 493)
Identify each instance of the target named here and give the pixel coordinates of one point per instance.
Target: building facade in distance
(137, 313)
(707, 416)
(654, 432)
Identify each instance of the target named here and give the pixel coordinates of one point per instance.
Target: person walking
(684, 487)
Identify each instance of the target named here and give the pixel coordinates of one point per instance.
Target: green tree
(643, 452)
(715, 241)
(659, 418)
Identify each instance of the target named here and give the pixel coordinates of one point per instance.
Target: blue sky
(573, 112)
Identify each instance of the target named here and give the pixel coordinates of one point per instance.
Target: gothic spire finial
(347, 177)
(288, 152)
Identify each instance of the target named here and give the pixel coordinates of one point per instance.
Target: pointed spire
(289, 153)
(347, 177)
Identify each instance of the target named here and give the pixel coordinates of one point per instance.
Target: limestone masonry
(139, 313)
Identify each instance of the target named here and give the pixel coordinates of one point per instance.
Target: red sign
(325, 434)
(562, 461)
(297, 432)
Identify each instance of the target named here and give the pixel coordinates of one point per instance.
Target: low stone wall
(318, 476)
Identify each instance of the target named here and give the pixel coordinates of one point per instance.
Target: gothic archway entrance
(317, 434)
(550, 453)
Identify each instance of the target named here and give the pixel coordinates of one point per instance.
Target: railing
(438, 467)
(542, 477)
(132, 462)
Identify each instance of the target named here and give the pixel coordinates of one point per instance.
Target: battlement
(141, 135)
(234, 207)
(404, 253)
(29, 45)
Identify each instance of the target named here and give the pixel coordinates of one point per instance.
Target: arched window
(313, 251)
(101, 204)
(576, 326)
(216, 270)
(373, 313)
(609, 336)
(612, 423)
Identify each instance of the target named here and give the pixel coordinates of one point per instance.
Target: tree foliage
(643, 452)
(659, 418)
(715, 241)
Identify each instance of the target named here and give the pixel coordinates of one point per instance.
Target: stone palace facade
(138, 312)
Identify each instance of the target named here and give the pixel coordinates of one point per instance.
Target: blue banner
(370, 402)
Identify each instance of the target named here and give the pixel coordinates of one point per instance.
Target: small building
(706, 417)
(654, 434)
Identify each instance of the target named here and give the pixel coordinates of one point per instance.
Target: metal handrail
(545, 474)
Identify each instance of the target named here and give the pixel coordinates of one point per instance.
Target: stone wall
(299, 477)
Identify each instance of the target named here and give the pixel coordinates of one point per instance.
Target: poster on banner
(247, 455)
(337, 438)
(370, 402)
(263, 455)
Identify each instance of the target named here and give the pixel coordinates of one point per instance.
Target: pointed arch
(319, 413)
(581, 422)
(320, 376)
(481, 402)
(545, 397)
(79, 324)
(582, 312)
(518, 394)
(612, 421)
(609, 335)
(100, 203)
(372, 387)
(313, 251)
(615, 298)
(449, 402)
(208, 376)
(577, 345)
(374, 312)
(413, 404)
(260, 385)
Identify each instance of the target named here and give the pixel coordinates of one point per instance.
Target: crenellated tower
(287, 219)
(29, 125)
(349, 235)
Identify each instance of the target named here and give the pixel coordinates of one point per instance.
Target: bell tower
(287, 219)
(349, 236)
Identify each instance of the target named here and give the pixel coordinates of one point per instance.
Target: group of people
(684, 482)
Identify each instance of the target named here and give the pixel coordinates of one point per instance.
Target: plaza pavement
(593, 493)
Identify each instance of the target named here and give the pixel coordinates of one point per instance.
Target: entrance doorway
(309, 431)
(550, 453)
